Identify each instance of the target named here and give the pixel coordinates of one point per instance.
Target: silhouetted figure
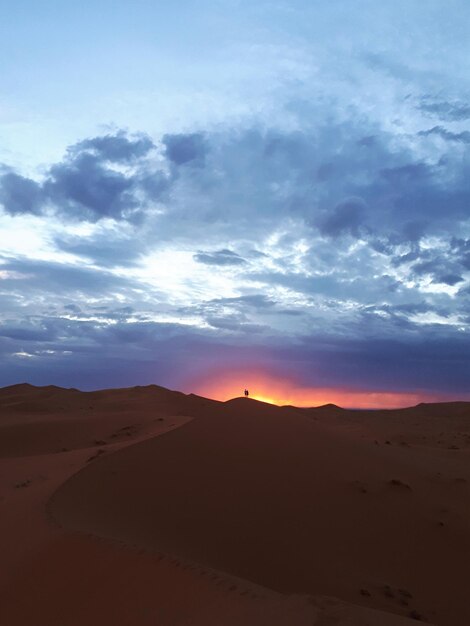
(247, 393)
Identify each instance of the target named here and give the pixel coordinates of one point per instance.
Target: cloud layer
(326, 237)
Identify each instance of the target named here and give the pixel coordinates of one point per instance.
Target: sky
(223, 194)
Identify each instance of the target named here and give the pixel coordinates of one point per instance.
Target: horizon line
(241, 397)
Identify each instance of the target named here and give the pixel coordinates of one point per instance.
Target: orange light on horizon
(284, 391)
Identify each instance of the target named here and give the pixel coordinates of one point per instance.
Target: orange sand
(146, 506)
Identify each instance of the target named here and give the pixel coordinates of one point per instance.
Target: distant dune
(147, 506)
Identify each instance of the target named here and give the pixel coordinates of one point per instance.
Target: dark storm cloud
(235, 322)
(406, 174)
(417, 199)
(256, 300)
(450, 111)
(58, 278)
(336, 287)
(449, 279)
(445, 265)
(19, 194)
(86, 184)
(85, 188)
(26, 333)
(182, 149)
(106, 250)
(367, 141)
(219, 257)
(336, 178)
(412, 231)
(345, 217)
(428, 360)
(440, 131)
(327, 228)
(139, 353)
(115, 148)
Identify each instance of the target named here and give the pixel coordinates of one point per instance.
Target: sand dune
(231, 513)
(49, 419)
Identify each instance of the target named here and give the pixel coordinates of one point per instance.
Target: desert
(234, 313)
(149, 506)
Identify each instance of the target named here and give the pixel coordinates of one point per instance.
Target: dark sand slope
(42, 420)
(311, 502)
(53, 576)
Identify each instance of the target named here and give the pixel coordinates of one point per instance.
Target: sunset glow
(282, 391)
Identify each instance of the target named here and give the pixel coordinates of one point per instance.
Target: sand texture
(146, 506)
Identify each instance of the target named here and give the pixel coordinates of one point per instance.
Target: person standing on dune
(247, 393)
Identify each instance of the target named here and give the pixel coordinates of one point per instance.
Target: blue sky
(187, 188)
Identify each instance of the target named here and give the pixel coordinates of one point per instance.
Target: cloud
(19, 194)
(443, 265)
(461, 249)
(346, 218)
(219, 257)
(29, 333)
(311, 215)
(326, 178)
(43, 277)
(405, 174)
(342, 177)
(106, 249)
(450, 279)
(440, 131)
(337, 226)
(256, 300)
(234, 322)
(182, 149)
(89, 183)
(445, 110)
(115, 148)
(84, 188)
(127, 353)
